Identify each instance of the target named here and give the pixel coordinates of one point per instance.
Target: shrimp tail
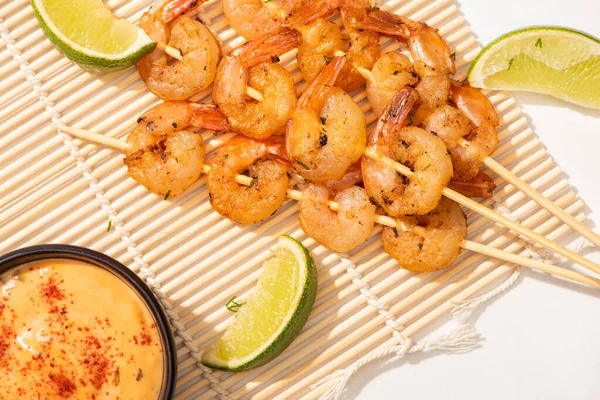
(480, 186)
(314, 10)
(175, 9)
(208, 116)
(474, 104)
(396, 115)
(314, 96)
(387, 24)
(268, 47)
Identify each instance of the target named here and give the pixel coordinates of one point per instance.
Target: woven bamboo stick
(124, 192)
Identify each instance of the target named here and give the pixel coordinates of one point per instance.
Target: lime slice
(276, 310)
(87, 33)
(561, 62)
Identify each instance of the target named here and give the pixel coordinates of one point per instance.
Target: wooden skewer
(537, 197)
(542, 201)
(176, 53)
(368, 75)
(493, 215)
(170, 50)
(255, 94)
(380, 219)
(515, 181)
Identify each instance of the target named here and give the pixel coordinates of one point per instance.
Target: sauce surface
(72, 330)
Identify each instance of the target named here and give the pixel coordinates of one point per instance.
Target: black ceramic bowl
(47, 251)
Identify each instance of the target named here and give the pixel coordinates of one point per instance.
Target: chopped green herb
(453, 56)
(426, 167)
(412, 118)
(374, 8)
(301, 163)
(328, 59)
(538, 43)
(168, 194)
(233, 305)
(177, 160)
(226, 156)
(109, 226)
(510, 62)
(267, 1)
(420, 246)
(418, 220)
(364, 47)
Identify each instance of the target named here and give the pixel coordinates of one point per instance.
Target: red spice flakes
(6, 337)
(51, 291)
(145, 339)
(96, 362)
(64, 386)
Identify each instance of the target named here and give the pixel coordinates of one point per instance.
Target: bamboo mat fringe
(194, 260)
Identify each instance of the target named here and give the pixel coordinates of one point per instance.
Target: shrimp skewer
(176, 54)
(482, 115)
(396, 108)
(327, 132)
(167, 24)
(380, 219)
(254, 19)
(341, 230)
(424, 152)
(323, 40)
(431, 56)
(162, 154)
(254, 64)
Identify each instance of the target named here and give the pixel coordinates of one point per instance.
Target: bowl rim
(24, 255)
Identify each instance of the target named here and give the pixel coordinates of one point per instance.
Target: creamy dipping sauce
(73, 330)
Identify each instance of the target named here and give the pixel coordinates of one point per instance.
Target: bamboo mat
(53, 189)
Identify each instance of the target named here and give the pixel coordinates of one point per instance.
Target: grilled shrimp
(254, 203)
(254, 64)
(340, 230)
(416, 148)
(434, 245)
(327, 132)
(165, 157)
(364, 45)
(256, 18)
(450, 125)
(432, 59)
(321, 40)
(483, 139)
(391, 72)
(199, 48)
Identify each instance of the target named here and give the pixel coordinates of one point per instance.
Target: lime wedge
(276, 310)
(87, 33)
(561, 62)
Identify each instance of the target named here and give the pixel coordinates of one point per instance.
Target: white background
(542, 338)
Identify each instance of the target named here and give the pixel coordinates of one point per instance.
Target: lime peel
(561, 62)
(110, 49)
(275, 312)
